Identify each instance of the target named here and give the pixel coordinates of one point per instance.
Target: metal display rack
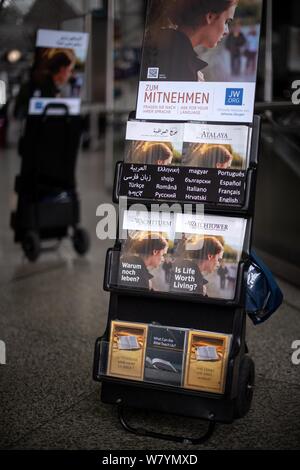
(200, 313)
(135, 305)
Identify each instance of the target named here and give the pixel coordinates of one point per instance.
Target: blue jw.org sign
(38, 105)
(234, 96)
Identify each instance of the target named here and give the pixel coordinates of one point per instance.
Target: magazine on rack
(186, 162)
(199, 60)
(187, 254)
(206, 362)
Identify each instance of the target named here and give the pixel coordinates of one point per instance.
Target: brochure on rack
(206, 363)
(165, 355)
(127, 350)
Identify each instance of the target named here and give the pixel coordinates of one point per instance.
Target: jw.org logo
(2, 353)
(234, 96)
(2, 93)
(38, 105)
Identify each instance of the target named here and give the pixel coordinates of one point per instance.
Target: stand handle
(166, 437)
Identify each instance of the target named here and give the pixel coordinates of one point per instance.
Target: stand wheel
(81, 241)
(31, 246)
(245, 386)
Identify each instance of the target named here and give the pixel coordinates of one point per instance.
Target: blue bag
(263, 295)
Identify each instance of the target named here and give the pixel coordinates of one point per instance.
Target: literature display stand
(48, 206)
(175, 336)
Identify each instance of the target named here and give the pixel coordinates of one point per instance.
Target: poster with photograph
(127, 350)
(207, 360)
(181, 253)
(165, 351)
(58, 70)
(199, 60)
(186, 162)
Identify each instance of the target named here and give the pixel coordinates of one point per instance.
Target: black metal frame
(168, 437)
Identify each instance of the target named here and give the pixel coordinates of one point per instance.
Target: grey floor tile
(44, 375)
(270, 345)
(291, 294)
(63, 298)
(272, 423)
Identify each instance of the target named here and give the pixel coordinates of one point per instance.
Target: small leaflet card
(206, 362)
(127, 350)
(165, 355)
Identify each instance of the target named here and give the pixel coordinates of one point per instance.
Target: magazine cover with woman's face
(181, 253)
(199, 60)
(187, 145)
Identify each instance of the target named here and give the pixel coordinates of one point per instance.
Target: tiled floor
(50, 315)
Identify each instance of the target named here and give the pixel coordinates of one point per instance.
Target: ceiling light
(13, 56)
